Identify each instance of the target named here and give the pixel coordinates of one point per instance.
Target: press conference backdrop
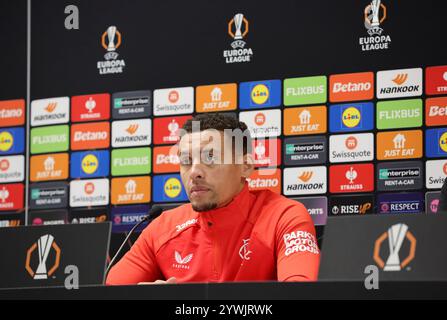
(347, 101)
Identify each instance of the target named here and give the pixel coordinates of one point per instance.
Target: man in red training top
(226, 232)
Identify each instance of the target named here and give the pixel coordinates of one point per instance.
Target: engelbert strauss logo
(43, 245)
(396, 235)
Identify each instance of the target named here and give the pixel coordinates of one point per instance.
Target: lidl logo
(168, 188)
(305, 120)
(436, 111)
(399, 114)
(351, 117)
(12, 113)
(89, 164)
(259, 94)
(131, 161)
(12, 140)
(436, 80)
(305, 90)
(436, 143)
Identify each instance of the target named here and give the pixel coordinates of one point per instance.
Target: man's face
(209, 182)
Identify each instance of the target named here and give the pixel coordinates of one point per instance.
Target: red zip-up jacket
(258, 236)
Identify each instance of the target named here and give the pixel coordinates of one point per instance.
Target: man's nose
(197, 171)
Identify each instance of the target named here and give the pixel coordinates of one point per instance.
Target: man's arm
(138, 264)
(298, 256)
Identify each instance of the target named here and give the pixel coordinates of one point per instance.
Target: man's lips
(198, 190)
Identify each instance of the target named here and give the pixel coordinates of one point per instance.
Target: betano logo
(351, 86)
(43, 245)
(436, 111)
(395, 235)
(265, 179)
(90, 136)
(12, 113)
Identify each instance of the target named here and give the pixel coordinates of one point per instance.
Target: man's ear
(248, 165)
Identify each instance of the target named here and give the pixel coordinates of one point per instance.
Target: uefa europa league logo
(396, 235)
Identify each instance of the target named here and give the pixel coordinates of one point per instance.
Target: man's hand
(171, 280)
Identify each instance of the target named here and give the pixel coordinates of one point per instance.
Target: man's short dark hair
(220, 122)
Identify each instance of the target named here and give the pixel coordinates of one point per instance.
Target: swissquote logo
(45, 268)
(238, 28)
(111, 40)
(396, 235)
(375, 14)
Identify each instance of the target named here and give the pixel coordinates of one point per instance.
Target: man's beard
(204, 207)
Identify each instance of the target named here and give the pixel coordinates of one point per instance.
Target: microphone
(153, 213)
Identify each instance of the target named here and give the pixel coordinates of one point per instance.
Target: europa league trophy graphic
(111, 32)
(396, 236)
(372, 20)
(238, 18)
(44, 246)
